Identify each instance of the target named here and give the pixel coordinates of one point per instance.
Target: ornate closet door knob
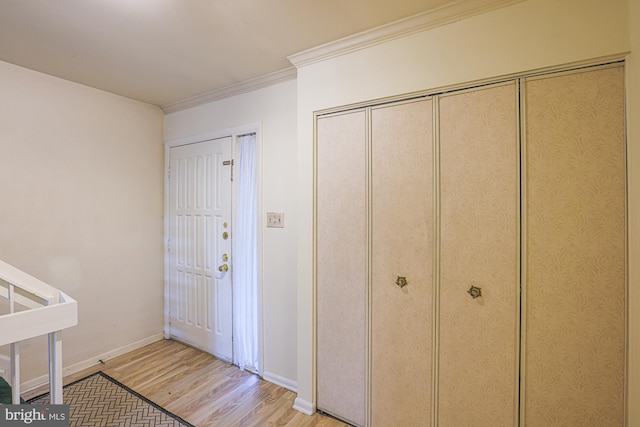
(401, 281)
(475, 292)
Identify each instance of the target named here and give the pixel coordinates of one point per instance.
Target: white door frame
(233, 132)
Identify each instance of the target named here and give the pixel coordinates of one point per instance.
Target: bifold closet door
(341, 257)
(402, 247)
(574, 361)
(479, 258)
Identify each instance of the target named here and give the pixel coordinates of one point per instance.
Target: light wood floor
(201, 389)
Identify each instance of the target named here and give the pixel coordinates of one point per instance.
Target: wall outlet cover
(275, 219)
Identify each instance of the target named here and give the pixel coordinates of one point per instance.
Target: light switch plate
(275, 219)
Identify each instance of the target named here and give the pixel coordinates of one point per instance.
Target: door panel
(575, 250)
(552, 217)
(200, 206)
(479, 200)
(342, 266)
(402, 246)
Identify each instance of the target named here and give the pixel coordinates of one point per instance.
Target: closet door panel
(479, 246)
(402, 246)
(575, 250)
(341, 221)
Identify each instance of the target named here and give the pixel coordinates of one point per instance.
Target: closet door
(402, 250)
(479, 258)
(575, 250)
(341, 256)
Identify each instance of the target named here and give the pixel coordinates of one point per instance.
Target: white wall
(526, 36)
(275, 108)
(81, 208)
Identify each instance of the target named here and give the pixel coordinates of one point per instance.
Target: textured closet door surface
(342, 265)
(575, 250)
(402, 246)
(478, 341)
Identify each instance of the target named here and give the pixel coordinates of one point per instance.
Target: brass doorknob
(223, 268)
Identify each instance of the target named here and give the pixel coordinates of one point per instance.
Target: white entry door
(200, 246)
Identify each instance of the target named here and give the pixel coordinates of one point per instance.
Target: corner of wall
(633, 230)
(304, 406)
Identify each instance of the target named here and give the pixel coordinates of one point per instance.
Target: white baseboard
(304, 406)
(92, 361)
(281, 381)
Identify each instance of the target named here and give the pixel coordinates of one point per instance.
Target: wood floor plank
(202, 389)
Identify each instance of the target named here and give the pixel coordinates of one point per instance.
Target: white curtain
(245, 258)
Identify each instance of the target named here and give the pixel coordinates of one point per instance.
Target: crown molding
(233, 90)
(452, 12)
(447, 14)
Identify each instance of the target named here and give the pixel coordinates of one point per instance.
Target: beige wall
(526, 36)
(275, 108)
(81, 195)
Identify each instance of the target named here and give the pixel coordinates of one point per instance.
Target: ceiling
(165, 51)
